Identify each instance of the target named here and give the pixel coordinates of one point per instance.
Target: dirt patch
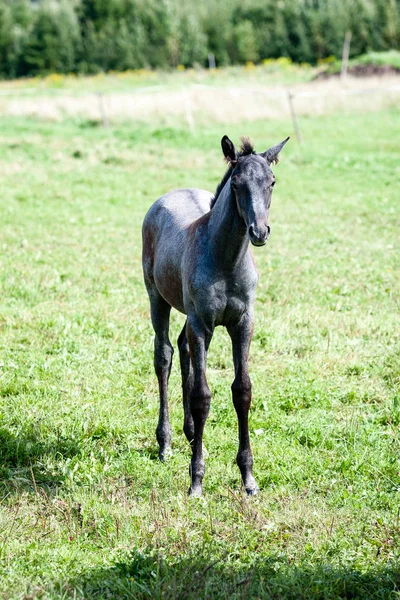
(363, 71)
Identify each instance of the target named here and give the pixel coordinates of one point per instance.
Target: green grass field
(87, 511)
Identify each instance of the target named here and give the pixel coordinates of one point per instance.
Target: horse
(196, 258)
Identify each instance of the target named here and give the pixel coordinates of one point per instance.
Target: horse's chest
(235, 306)
(239, 296)
(223, 300)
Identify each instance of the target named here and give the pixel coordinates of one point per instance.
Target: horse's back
(178, 208)
(165, 230)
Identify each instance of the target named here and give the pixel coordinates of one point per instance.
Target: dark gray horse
(196, 258)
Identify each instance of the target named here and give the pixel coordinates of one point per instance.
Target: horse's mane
(246, 148)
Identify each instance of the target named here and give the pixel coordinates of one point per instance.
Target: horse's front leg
(199, 338)
(241, 334)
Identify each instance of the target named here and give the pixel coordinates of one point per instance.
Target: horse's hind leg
(199, 339)
(187, 384)
(163, 351)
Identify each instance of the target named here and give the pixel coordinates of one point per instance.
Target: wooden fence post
(294, 118)
(102, 109)
(188, 110)
(345, 55)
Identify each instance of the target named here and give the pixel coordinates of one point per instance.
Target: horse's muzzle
(259, 236)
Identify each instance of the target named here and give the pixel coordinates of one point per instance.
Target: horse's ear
(228, 149)
(272, 155)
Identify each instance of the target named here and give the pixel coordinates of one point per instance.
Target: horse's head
(252, 182)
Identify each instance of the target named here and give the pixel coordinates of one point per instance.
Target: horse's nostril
(251, 230)
(268, 229)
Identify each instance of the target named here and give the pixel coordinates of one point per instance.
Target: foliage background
(88, 36)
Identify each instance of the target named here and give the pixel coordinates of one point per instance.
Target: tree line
(88, 36)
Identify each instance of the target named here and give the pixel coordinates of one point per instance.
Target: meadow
(87, 510)
(195, 98)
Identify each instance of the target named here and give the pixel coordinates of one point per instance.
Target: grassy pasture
(87, 511)
(198, 98)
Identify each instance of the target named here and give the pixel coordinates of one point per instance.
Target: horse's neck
(227, 231)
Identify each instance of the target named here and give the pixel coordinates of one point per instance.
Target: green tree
(6, 39)
(217, 25)
(192, 41)
(55, 38)
(90, 35)
(245, 44)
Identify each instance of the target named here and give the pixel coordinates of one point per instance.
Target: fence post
(294, 118)
(345, 55)
(188, 111)
(102, 109)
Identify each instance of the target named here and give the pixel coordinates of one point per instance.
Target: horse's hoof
(165, 454)
(196, 492)
(252, 491)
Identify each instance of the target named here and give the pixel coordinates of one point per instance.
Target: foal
(196, 258)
